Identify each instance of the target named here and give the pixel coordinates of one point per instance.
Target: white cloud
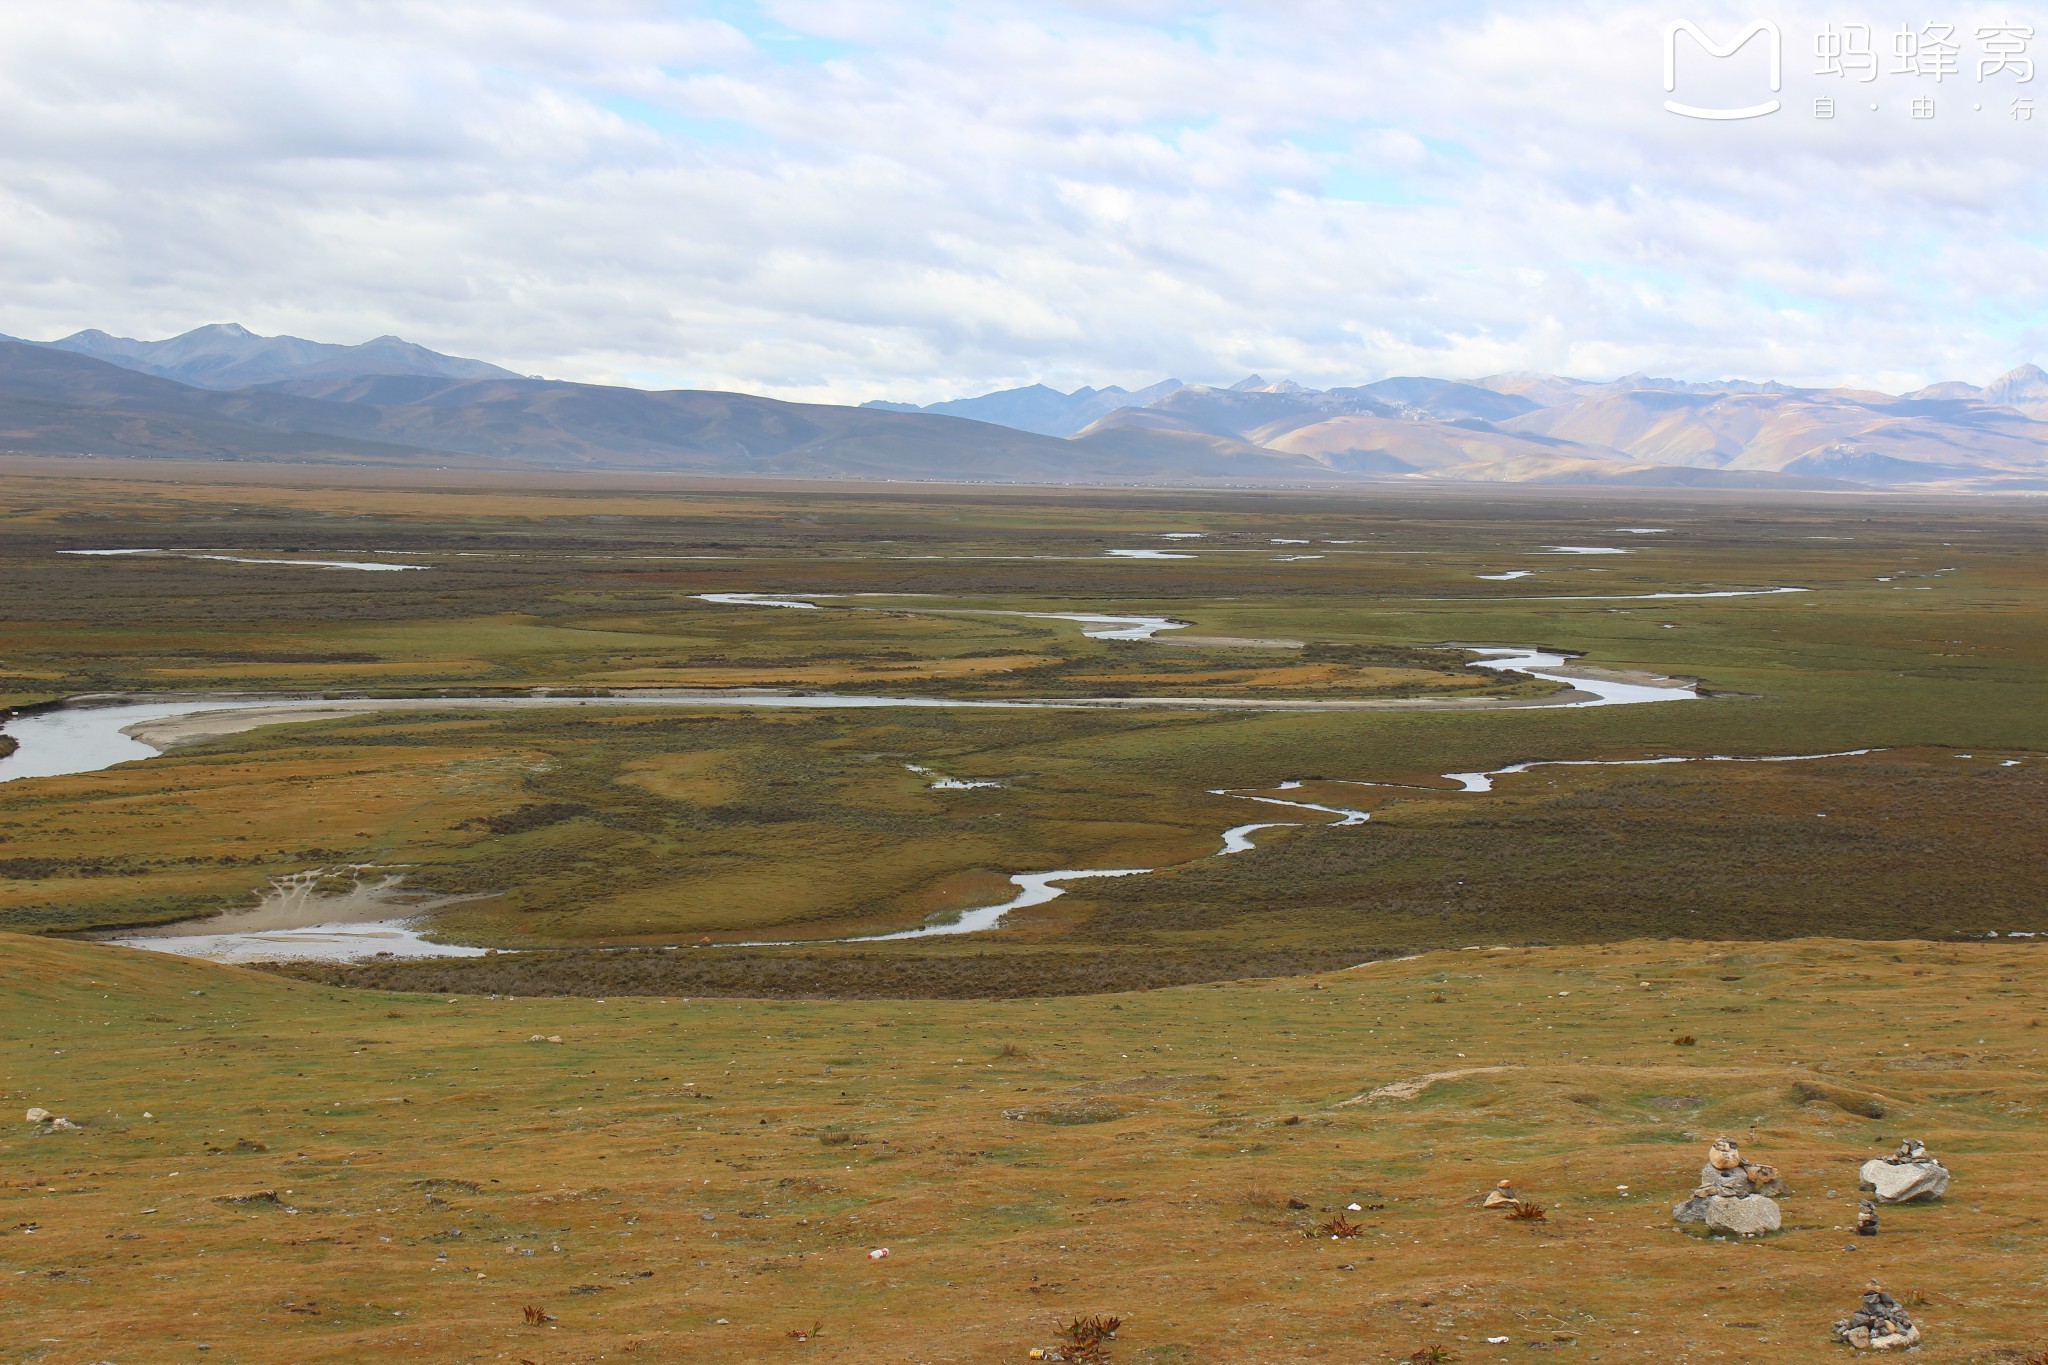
(846, 200)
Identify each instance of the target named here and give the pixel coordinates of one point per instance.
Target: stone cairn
(1501, 1196)
(1906, 1175)
(1866, 1219)
(1879, 1325)
(1733, 1196)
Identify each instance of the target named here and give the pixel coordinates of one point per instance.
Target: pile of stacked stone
(1907, 1174)
(1879, 1325)
(1733, 1195)
(1501, 1196)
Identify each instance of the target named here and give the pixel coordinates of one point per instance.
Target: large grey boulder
(1745, 1217)
(1903, 1182)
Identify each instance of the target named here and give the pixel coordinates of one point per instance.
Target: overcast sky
(847, 200)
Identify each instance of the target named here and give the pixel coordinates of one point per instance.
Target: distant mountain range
(226, 355)
(223, 392)
(1523, 428)
(1038, 408)
(54, 400)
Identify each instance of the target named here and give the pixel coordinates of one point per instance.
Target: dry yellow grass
(701, 1179)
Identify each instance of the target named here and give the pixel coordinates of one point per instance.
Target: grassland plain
(283, 1171)
(1921, 635)
(289, 1173)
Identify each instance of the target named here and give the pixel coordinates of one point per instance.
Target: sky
(839, 200)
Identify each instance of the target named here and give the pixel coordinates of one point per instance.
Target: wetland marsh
(635, 715)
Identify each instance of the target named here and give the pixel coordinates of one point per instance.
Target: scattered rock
(255, 1199)
(1879, 1324)
(39, 1115)
(1409, 1089)
(64, 1126)
(1068, 1112)
(1906, 1175)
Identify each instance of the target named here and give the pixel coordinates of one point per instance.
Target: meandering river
(86, 736)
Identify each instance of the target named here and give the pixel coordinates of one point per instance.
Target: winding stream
(1040, 887)
(364, 565)
(1483, 782)
(1093, 625)
(84, 738)
(88, 738)
(1033, 888)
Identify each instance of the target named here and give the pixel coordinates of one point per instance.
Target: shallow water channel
(361, 565)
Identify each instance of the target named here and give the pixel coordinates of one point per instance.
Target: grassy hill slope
(334, 1176)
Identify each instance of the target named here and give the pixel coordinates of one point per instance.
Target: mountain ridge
(227, 355)
(387, 400)
(55, 401)
(1527, 427)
